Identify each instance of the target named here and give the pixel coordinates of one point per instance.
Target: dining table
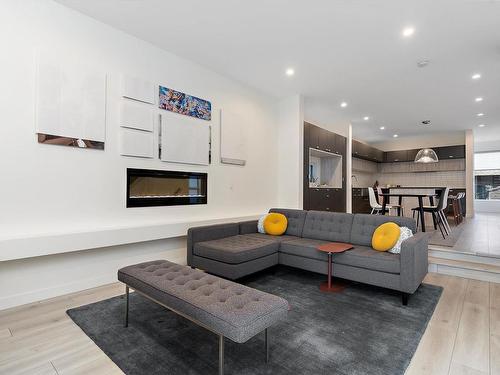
(420, 197)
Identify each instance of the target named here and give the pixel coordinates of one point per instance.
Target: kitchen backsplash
(453, 179)
(367, 172)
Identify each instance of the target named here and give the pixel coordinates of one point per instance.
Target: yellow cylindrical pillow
(275, 224)
(385, 236)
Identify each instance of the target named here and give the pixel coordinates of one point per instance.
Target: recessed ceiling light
(481, 125)
(422, 63)
(479, 99)
(408, 31)
(366, 118)
(382, 128)
(480, 114)
(290, 72)
(476, 76)
(343, 104)
(395, 135)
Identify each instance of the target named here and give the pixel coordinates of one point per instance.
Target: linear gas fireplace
(147, 187)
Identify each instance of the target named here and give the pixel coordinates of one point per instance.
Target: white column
(290, 152)
(469, 171)
(348, 179)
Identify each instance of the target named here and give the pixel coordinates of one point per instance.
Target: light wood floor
(463, 336)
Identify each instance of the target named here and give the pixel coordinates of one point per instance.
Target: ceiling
(341, 50)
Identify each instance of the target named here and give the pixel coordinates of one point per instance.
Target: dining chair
(374, 204)
(437, 212)
(390, 205)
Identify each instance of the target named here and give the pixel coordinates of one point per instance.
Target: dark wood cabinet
(396, 156)
(361, 205)
(379, 156)
(450, 152)
(323, 199)
(340, 144)
(411, 154)
(363, 151)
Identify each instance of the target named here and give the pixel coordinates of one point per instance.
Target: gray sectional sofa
(235, 250)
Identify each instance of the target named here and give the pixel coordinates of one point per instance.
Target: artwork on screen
(184, 104)
(70, 103)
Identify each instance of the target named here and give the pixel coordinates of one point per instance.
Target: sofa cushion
(366, 257)
(304, 247)
(364, 225)
(359, 256)
(281, 238)
(295, 219)
(236, 249)
(328, 226)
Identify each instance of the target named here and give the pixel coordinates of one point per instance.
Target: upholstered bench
(224, 307)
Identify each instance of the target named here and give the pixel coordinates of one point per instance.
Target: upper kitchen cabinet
(411, 154)
(317, 137)
(396, 156)
(450, 152)
(340, 144)
(363, 151)
(324, 140)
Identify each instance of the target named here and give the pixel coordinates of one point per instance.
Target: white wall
(469, 172)
(290, 152)
(487, 160)
(326, 116)
(49, 189)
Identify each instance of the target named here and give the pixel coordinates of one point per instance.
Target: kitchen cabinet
(326, 200)
(396, 156)
(360, 201)
(450, 152)
(411, 154)
(322, 198)
(363, 151)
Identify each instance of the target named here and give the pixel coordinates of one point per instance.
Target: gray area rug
(363, 330)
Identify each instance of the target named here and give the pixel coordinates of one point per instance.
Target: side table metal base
(324, 287)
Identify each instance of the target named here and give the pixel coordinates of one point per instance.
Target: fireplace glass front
(165, 188)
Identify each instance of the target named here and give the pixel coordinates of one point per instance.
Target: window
(487, 175)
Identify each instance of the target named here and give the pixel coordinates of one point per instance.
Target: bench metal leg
(221, 355)
(126, 305)
(267, 345)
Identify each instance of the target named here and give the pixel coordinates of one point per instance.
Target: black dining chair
(437, 212)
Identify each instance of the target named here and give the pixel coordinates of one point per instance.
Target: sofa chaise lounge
(235, 250)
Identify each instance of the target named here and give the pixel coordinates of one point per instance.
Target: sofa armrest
(414, 261)
(247, 227)
(208, 233)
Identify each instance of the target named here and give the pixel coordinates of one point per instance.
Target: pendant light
(426, 155)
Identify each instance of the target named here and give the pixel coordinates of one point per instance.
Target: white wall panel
(71, 99)
(233, 138)
(138, 89)
(184, 140)
(136, 115)
(137, 143)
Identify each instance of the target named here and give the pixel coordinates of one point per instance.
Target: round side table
(330, 248)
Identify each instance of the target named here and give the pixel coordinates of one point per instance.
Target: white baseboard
(59, 290)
